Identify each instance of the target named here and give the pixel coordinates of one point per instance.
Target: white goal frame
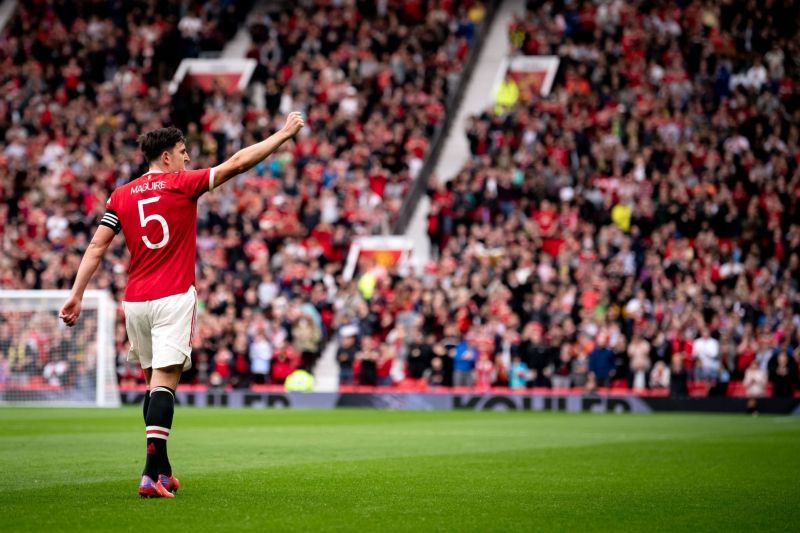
(106, 387)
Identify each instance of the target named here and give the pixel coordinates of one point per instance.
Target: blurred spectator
(367, 360)
(283, 363)
(538, 355)
(55, 372)
(241, 376)
(507, 95)
(346, 354)
(678, 377)
(705, 350)
(580, 369)
(484, 370)
(660, 349)
(464, 364)
(563, 369)
(639, 355)
(435, 376)
(622, 361)
(601, 363)
(299, 381)
(518, 374)
(260, 358)
(783, 376)
(755, 384)
(660, 376)
(306, 337)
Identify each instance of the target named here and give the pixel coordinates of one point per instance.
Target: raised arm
(91, 260)
(247, 158)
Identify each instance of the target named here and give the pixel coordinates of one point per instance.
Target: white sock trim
(162, 389)
(157, 432)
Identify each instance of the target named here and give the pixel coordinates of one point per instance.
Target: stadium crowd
(635, 229)
(638, 228)
(83, 79)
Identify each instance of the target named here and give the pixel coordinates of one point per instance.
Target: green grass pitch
(363, 470)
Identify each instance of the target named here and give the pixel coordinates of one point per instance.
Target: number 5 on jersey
(143, 220)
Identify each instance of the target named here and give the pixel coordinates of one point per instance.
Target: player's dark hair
(153, 143)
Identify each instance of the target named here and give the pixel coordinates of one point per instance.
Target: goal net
(43, 362)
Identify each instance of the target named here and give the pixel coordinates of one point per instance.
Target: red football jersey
(158, 215)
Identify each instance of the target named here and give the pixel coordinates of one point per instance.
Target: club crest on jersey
(151, 186)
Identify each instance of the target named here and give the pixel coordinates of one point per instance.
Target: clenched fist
(293, 123)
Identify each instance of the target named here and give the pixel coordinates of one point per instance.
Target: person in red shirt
(157, 212)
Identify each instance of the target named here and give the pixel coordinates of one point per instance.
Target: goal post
(43, 362)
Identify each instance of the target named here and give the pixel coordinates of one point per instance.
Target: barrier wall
(446, 401)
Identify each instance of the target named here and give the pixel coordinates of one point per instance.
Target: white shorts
(160, 331)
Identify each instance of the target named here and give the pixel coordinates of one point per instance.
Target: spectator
(367, 359)
(435, 375)
(385, 364)
(660, 376)
(420, 354)
(745, 352)
(783, 376)
(240, 371)
(222, 368)
(755, 384)
(678, 378)
(306, 337)
(518, 374)
(580, 369)
(346, 353)
(766, 351)
(705, 350)
(507, 94)
(639, 355)
(55, 372)
(660, 349)
(260, 358)
(538, 354)
(561, 376)
(283, 364)
(300, 380)
(3, 369)
(464, 364)
(484, 370)
(622, 361)
(601, 363)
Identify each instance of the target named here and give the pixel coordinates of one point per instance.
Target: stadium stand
(82, 80)
(635, 230)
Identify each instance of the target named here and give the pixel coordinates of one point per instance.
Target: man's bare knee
(169, 376)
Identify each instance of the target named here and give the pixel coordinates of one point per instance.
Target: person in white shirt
(755, 384)
(705, 351)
